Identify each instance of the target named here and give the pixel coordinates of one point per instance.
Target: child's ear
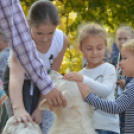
(44, 105)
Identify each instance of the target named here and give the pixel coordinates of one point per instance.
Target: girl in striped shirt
(125, 102)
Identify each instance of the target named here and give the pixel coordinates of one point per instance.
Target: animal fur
(10, 128)
(76, 118)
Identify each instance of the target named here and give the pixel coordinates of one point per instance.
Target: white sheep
(19, 128)
(76, 118)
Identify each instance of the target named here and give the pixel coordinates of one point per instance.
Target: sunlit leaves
(109, 13)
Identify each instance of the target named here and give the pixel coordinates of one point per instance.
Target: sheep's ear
(54, 75)
(44, 105)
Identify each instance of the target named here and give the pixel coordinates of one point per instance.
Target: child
(99, 76)
(123, 34)
(125, 102)
(51, 45)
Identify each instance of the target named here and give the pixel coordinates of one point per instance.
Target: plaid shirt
(14, 25)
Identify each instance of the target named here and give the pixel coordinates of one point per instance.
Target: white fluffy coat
(10, 128)
(76, 118)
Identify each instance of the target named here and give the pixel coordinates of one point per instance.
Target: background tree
(109, 13)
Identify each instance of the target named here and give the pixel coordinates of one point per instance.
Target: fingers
(59, 100)
(63, 101)
(17, 120)
(24, 119)
(55, 103)
(55, 98)
(84, 89)
(30, 120)
(50, 104)
(69, 76)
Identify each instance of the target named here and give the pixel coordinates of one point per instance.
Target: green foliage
(109, 13)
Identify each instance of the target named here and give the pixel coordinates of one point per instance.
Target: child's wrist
(17, 107)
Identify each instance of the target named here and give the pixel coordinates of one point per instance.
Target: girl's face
(43, 34)
(93, 49)
(121, 37)
(127, 63)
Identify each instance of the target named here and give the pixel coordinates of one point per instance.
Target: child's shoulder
(107, 68)
(108, 65)
(130, 84)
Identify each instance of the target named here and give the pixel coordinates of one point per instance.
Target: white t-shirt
(55, 49)
(101, 80)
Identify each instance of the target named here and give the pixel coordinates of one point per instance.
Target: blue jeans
(104, 132)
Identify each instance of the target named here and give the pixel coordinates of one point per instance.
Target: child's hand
(21, 115)
(84, 89)
(121, 83)
(73, 76)
(37, 116)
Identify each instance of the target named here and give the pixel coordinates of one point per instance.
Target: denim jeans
(104, 132)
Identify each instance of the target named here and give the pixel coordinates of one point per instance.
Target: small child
(123, 34)
(99, 76)
(125, 102)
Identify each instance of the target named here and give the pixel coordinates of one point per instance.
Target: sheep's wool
(76, 118)
(10, 128)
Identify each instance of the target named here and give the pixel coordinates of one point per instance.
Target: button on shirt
(14, 25)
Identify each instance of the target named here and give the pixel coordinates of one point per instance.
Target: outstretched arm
(113, 107)
(14, 25)
(15, 90)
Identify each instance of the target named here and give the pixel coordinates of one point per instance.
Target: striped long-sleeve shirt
(124, 103)
(14, 25)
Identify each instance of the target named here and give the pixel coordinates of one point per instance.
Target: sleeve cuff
(48, 89)
(89, 97)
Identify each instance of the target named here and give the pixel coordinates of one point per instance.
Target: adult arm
(104, 88)
(15, 90)
(14, 25)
